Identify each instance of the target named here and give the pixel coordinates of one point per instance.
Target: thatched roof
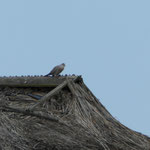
(66, 116)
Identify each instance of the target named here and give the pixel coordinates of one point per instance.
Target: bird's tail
(47, 75)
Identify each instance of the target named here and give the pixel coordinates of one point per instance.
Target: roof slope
(64, 117)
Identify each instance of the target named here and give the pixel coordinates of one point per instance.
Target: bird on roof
(56, 70)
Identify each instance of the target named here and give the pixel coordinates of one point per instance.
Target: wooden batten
(40, 81)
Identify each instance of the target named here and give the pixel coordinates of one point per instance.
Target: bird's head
(63, 64)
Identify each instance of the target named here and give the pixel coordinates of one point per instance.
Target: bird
(35, 96)
(56, 70)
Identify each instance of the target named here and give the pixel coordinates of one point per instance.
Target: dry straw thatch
(68, 117)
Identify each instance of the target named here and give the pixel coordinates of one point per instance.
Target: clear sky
(105, 41)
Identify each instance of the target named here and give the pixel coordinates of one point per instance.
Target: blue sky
(107, 42)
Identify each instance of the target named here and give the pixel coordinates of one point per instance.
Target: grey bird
(56, 70)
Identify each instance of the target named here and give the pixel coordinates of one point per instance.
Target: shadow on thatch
(64, 117)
